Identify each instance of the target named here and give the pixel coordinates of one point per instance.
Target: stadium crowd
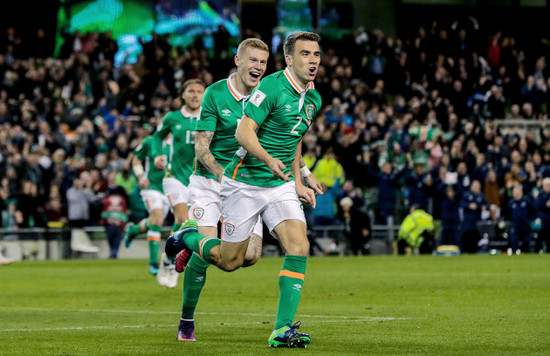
(409, 120)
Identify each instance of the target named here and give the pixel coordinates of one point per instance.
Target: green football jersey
(222, 108)
(180, 160)
(144, 153)
(284, 113)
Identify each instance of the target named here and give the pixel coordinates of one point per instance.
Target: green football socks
(200, 243)
(194, 279)
(175, 227)
(153, 237)
(139, 228)
(291, 280)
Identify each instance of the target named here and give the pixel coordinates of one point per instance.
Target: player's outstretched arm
(247, 137)
(205, 156)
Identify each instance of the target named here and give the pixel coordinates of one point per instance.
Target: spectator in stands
(32, 190)
(350, 191)
(325, 210)
(542, 205)
(79, 197)
(473, 204)
(115, 213)
(387, 183)
(328, 170)
(491, 189)
(126, 180)
(420, 185)
(357, 228)
(521, 213)
(464, 180)
(450, 221)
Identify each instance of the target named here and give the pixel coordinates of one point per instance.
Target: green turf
(466, 305)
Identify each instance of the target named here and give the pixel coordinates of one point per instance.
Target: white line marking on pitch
(80, 328)
(375, 318)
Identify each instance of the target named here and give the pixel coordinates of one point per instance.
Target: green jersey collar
(234, 92)
(294, 83)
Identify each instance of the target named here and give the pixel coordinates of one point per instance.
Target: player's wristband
(305, 171)
(138, 170)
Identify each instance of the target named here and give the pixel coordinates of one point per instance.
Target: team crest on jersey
(229, 229)
(226, 112)
(257, 98)
(198, 212)
(310, 109)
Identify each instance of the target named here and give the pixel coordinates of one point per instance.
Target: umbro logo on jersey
(297, 287)
(199, 279)
(229, 229)
(288, 107)
(178, 127)
(226, 112)
(198, 212)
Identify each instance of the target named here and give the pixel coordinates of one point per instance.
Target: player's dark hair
(290, 41)
(188, 83)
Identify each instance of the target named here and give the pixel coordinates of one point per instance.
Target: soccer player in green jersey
(178, 165)
(215, 145)
(264, 179)
(156, 203)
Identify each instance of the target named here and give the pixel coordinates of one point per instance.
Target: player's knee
(231, 264)
(299, 249)
(156, 219)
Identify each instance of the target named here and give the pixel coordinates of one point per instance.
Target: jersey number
(293, 131)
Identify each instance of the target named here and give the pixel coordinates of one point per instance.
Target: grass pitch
(465, 305)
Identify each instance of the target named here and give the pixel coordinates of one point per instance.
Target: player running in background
(264, 179)
(156, 203)
(178, 165)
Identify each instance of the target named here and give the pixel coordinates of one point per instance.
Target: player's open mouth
(254, 75)
(312, 70)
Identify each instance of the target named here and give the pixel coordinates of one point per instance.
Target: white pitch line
(88, 327)
(80, 328)
(345, 317)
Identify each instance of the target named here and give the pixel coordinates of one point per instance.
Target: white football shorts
(244, 203)
(206, 204)
(153, 200)
(176, 192)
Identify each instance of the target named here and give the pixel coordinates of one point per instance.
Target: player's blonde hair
(251, 43)
(290, 42)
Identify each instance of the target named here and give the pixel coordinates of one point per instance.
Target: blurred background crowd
(435, 119)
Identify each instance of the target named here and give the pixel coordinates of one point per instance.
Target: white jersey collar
(294, 83)
(187, 114)
(233, 90)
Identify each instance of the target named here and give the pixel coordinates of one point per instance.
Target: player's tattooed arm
(254, 250)
(205, 156)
